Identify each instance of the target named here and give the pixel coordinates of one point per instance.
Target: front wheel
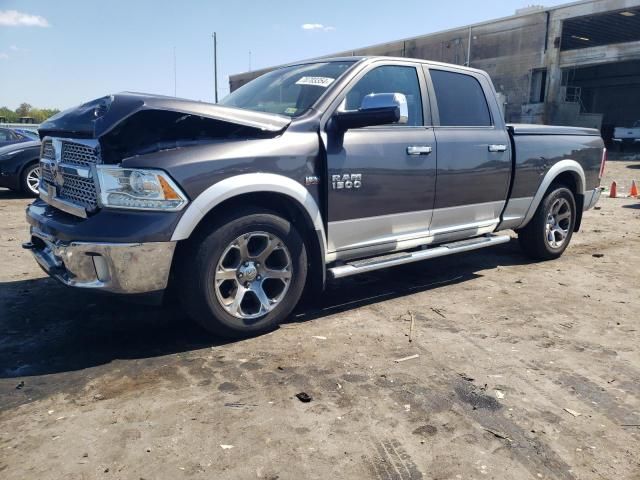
(245, 275)
(549, 232)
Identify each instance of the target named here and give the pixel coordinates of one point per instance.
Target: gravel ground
(521, 370)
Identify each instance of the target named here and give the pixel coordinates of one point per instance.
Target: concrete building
(576, 64)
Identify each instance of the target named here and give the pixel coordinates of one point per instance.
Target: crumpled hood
(98, 117)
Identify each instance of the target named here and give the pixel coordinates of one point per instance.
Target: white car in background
(623, 136)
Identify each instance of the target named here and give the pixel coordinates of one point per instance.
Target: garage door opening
(611, 90)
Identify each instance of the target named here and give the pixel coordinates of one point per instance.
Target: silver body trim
(591, 198)
(554, 171)
(241, 184)
(348, 234)
(111, 267)
(423, 226)
(477, 214)
(515, 212)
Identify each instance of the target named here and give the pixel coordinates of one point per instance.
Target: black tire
(200, 264)
(535, 238)
(25, 177)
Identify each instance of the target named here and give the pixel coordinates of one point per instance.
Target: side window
(4, 136)
(389, 79)
(461, 101)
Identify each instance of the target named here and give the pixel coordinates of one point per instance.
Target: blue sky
(64, 52)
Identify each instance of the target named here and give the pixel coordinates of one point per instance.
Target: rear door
(474, 153)
(382, 179)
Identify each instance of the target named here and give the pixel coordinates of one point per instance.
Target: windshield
(287, 91)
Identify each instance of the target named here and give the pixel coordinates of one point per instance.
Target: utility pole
(215, 67)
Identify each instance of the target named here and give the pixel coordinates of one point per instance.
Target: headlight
(139, 189)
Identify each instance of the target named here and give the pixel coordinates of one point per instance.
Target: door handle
(497, 148)
(419, 150)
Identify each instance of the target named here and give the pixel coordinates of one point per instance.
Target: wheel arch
(275, 192)
(568, 173)
(26, 164)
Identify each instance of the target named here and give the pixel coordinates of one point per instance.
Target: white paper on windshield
(323, 82)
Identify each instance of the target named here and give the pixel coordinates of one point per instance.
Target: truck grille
(73, 157)
(76, 154)
(78, 190)
(47, 150)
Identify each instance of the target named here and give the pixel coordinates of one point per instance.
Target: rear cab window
(460, 99)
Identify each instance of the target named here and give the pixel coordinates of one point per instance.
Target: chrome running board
(400, 258)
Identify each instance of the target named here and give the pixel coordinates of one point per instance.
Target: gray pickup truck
(317, 170)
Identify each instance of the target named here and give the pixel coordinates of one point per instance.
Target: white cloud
(317, 26)
(13, 18)
(13, 48)
(4, 56)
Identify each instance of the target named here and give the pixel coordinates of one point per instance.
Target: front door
(382, 179)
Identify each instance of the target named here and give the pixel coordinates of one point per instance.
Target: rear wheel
(31, 179)
(246, 275)
(549, 232)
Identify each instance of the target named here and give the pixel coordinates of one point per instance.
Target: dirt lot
(525, 370)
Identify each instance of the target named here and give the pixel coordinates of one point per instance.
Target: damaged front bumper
(112, 267)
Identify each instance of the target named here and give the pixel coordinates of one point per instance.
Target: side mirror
(375, 109)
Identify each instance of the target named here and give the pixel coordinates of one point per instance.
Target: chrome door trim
(497, 148)
(419, 150)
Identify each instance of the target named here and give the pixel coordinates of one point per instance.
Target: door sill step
(401, 258)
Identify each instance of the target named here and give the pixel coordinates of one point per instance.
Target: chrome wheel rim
(33, 179)
(253, 275)
(558, 223)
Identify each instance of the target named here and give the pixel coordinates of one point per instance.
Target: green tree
(23, 110)
(8, 114)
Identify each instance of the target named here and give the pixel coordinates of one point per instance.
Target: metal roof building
(575, 64)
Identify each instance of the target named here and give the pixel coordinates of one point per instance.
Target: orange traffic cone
(634, 189)
(613, 192)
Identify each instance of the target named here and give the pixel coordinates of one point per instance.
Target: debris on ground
(239, 405)
(20, 385)
(572, 412)
(438, 311)
(598, 255)
(226, 447)
(499, 394)
(303, 397)
(319, 337)
(464, 376)
(404, 359)
(497, 434)
(411, 327)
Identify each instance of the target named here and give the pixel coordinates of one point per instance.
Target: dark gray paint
(98, 117)
(392, 181)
